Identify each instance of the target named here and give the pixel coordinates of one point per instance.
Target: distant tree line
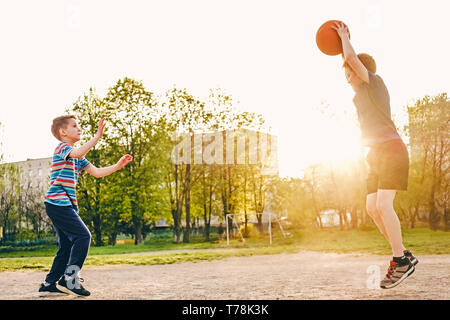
(154, 187)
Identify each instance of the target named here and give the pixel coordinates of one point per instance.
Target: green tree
(186, 116)
(429, 134)
(238, 179)
(136, 130)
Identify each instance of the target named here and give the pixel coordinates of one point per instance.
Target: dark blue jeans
(74, 239)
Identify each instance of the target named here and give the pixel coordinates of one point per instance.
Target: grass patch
(419, 241)
(44, 263)
(152, 245)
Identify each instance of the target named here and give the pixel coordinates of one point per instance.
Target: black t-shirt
(372, 103)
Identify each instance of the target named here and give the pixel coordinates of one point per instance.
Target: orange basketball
(328, 40)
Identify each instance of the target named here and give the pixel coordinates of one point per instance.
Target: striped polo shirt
(64, 177)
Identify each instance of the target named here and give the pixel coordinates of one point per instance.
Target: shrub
(251, 230)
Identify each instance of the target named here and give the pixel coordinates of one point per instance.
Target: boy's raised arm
(349, 54)
(81, 152)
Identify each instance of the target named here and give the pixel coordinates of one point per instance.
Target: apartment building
(35, 173)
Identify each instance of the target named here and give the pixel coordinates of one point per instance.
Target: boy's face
(71, 131)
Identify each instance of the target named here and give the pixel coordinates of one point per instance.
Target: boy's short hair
(367, 60)
(60, 122)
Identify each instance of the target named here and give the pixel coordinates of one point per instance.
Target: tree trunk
(4, 232)
(138, 233)
(319, 220)
(97, 212)
(245, 204)
(412, 220)
(207, 231)
(260, 223)
(208, 215)
(258, 203)
(177, 229)
(341, 220)
(187, 206)
(245, 225)
(97, 231)
(354, 215)
(112, 238)
(187, 228)
(446, 219)
(205, 219)
(96, 220)
(177, 211)
(433, 217)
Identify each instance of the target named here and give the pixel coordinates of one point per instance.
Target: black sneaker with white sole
(50, 288)
(74, 286)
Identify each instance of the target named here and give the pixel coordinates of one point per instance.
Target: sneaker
(396, 274)
(75, 288)
(50, 288)
(411, 258)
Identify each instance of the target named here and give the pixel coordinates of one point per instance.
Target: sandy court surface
(302, 275)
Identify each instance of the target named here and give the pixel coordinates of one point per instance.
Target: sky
(261, 52)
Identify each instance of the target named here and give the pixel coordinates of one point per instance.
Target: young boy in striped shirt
(61, 203)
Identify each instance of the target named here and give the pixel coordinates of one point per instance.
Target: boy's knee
(372, 210)
(374, 214)
(64, 250)
(64, 244)
(85, 236)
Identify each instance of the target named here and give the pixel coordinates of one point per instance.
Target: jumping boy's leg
(371, 206)
(372, 194)
(400, 266)
(385, 205)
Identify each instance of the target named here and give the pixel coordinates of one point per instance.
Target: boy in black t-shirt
(388, 157)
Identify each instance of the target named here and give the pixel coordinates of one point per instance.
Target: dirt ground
(303, 275)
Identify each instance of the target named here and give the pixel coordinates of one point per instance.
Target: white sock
(76, 275)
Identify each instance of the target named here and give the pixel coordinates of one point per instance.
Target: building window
(39, 172)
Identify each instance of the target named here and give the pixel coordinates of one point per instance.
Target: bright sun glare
(325, 137)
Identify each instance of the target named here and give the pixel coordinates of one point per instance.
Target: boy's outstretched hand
(124, 161)
(341, 29)
(101, 127)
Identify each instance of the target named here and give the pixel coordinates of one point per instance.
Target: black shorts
(388, 166)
